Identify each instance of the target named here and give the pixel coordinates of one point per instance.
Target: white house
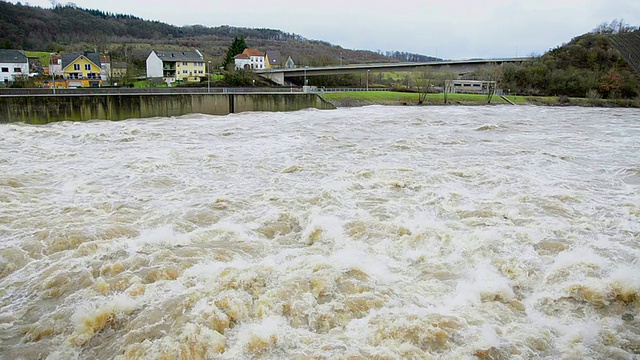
(13, 63)
(250, 59)
(171, 66)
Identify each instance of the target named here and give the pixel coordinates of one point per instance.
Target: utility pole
(368, 79)
(209, 76)
(53, 79)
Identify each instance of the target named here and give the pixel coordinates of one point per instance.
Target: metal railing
(145, 91)
(173, 90)
(350, 89)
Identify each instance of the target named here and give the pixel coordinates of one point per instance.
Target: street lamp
(53, 79)
(340, 59)
(305, 75)
(209, 76)
(368, 79)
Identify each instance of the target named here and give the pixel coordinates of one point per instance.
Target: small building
(105, 67)
(176, 66)
(289, 64)
(273, 59)
(250, 59)
(242, 62)
(13, 64)
(470, 86)
(55, 65)
(118, 70)
(81, 69)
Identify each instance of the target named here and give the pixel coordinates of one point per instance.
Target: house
(105, 67)
(180, 66)
(13, 64)
(289, 64)
(81, 69)
(273, 59)
(250, 59)
(242, 62)
(118, 70)
(55, 65)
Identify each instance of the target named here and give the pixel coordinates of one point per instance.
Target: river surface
(366, 233)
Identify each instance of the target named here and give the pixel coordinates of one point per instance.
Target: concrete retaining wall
(46, 109)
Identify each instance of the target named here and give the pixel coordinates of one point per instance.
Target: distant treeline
(71, 28)
(34, 28)
(408, 57)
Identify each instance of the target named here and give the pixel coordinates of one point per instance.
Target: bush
(593, 94)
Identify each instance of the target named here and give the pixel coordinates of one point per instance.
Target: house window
(17, 70)
(184, 71)
(5, 69)
(76, 67)
(87, 66)
(184, 63)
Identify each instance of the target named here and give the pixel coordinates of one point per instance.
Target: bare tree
(616, 26)
(491, 73)
(447, 82)
(422, 80)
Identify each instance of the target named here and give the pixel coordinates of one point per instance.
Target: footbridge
(460, 67)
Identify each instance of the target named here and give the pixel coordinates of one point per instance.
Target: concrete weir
(44, 109)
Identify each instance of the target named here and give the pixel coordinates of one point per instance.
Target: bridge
(459, 66)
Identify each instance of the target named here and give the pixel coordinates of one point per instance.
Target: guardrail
(350, 89)
(144, 91)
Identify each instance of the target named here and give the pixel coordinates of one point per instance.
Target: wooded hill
(130, 38)
(591, 65)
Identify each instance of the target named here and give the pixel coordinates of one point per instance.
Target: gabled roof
(13, 56)
(253, 52)
(182, 55)
(69, 58)
(241, 56)
(274, 57)
(289, 64)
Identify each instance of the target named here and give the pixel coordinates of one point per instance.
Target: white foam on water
(163, 235)
(398, 232)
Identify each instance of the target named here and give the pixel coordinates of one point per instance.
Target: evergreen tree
(237, 47)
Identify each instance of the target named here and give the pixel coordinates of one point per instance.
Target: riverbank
(364, 98)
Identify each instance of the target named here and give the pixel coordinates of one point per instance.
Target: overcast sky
(452, 29)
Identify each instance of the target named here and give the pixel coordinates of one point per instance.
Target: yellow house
(81, 70)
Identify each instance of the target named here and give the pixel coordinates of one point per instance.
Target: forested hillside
(590, 65)
(69, 28)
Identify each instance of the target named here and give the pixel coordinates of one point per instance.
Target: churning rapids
(368, 233)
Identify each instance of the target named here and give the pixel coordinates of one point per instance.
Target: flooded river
(367, 233)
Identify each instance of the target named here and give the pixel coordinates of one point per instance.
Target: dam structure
(47, 108)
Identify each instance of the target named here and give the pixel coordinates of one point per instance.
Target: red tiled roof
(241, 56)
(253, 52)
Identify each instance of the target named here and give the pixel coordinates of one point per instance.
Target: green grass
(147, 84)
(42, 55)
(362, 98)
(518, 100)
(402, 98)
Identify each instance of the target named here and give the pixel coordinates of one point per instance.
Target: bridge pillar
(277, 77)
